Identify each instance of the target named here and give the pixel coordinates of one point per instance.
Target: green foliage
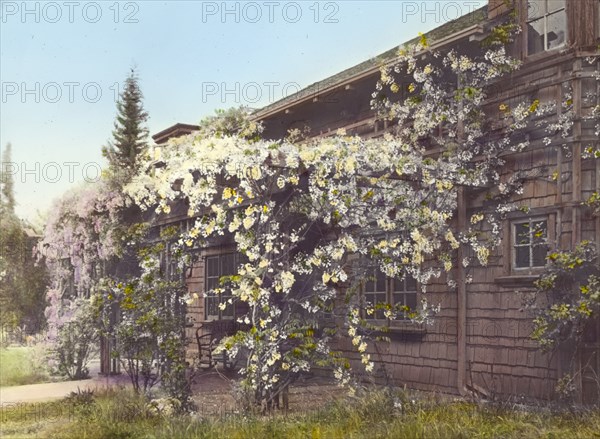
(504, 33)
(231, 122)
(21, 366)
(7, 195)
(76, 341)
(122, 414)
(130, 133)
(22, 281)
(567, 296)
(594, 202)
(150, 324)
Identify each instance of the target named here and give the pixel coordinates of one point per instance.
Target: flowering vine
(310, 218)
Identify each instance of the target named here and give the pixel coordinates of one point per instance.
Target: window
(546, 25)
(379, 289)
(216, 267)
(530, 243)
(169, 266)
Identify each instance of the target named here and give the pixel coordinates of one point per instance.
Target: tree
(313, 219)
(130, 133)
(7, 203)
(22, 280)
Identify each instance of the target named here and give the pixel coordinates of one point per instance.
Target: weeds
(376, 414)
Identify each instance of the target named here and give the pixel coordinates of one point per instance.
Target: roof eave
(471, 33)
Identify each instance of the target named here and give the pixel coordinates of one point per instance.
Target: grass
(121, 414)
(21, 365)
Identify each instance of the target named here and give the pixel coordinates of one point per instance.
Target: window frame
(514, 245)
(222, 297)
(543, 16)
(390, 291)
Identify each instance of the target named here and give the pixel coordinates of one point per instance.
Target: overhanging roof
(179, 129)
(458, 29)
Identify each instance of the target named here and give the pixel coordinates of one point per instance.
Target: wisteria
(81, 236)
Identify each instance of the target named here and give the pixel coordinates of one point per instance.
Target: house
(480, 341)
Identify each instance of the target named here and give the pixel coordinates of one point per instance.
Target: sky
(62, 64)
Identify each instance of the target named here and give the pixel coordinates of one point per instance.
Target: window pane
(227, 265)
(370, 283)
(398, 299)
(211, 283)
(539, 255)
(212, 266)
(522, 236)
(380, 281)
(557, 24)
(539, 232)
(535, 9)
(228, 311)
(522, 257)
(373, 300)
(535, 36)
(211, 306)
(411, 301)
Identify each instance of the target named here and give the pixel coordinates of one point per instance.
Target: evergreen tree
(7, 200)
(22, 280)
(130, 134)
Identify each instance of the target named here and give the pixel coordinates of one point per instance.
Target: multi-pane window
(546, 25)
(530, 243)
(217, 305)
(379, 289)
(169, 265)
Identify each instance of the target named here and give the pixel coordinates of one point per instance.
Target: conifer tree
(7, 201)
(130, 136)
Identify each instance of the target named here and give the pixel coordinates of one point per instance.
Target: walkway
(49, 391)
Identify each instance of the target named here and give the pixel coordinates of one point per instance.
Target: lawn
(120, 414)
(21, 365)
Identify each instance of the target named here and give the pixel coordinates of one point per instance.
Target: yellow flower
(395, 88)
(476, 218)
(255, 172)
(228, 193)
(411, 88)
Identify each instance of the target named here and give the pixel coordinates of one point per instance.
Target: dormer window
(546, 25)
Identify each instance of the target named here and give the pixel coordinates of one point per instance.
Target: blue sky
(62, 64)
